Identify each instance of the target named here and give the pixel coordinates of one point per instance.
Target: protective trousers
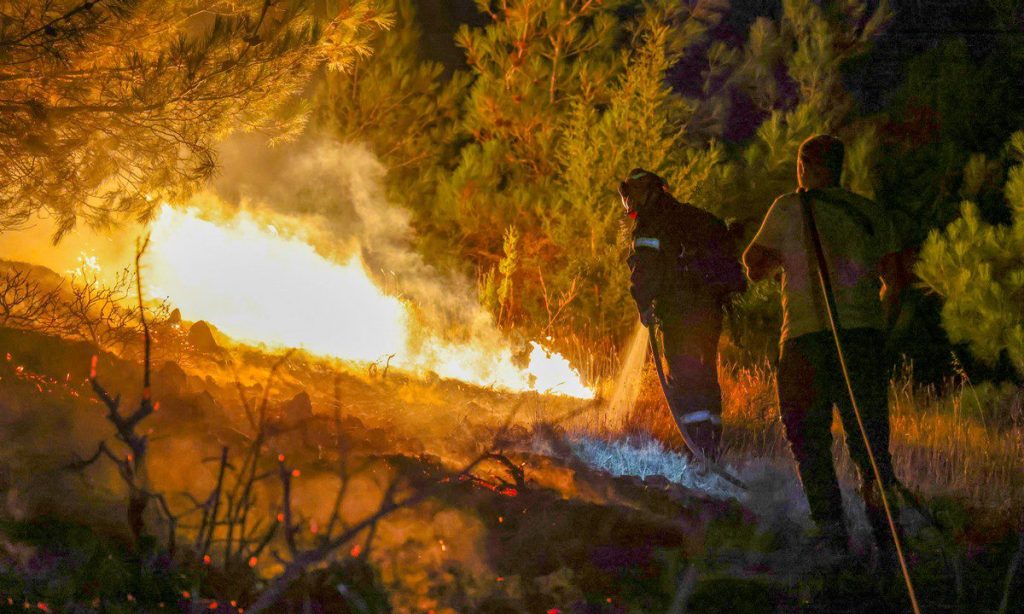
(691, 352)
(810, 381)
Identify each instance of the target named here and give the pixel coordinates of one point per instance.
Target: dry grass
(967, 443)
(963, 441)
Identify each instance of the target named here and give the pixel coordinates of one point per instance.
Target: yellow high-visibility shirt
(856, 233)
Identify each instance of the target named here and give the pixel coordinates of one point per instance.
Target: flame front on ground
(257, 285)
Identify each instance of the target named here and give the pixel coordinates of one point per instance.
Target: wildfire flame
(257, 284)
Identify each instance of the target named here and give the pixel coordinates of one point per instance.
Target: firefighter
(861, 251)
(682, 272)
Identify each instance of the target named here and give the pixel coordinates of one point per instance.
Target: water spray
(626, 388)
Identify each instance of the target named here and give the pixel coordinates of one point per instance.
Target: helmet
(637, 189)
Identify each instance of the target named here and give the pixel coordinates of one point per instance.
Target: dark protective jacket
(683, 259)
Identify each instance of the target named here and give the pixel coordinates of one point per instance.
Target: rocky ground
(557, 519)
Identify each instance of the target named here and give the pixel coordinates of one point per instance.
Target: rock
(205, 405)
(297, 409)
(352, 423)
(377, 438)
(200, 335)
(657, 481)
(194, 411)
(516, 435)
(170, 378)
(628, 483)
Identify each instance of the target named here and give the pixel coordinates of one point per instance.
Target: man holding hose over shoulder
(860, 247)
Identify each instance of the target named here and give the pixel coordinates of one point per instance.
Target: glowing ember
(258, 285)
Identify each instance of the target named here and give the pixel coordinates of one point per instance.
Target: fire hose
(825, 283)
(712, 465)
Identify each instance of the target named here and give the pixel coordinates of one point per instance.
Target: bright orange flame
(258, 285)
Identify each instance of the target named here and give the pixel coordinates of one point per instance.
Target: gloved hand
(647, 317)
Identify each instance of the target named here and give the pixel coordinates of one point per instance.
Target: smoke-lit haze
(298, 246)
(339, 190)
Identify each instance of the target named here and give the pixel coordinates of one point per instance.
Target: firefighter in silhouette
(682, 273)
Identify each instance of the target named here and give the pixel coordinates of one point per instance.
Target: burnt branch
(26, 304)
(132, 467)
(329, 544)
(81, 306)
(517, 472)
(227, 514)
(286, 507)
(101, 451)
(140, 248)
(211, 507)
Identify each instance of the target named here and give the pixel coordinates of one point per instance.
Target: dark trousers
(691, 350)
(810, 382)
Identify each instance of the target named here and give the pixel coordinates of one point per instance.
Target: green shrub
(978, 269)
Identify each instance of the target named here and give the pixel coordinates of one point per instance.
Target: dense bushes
(511, 165)
(978, 268)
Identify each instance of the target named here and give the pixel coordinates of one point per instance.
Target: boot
(707, 436)
(888, 559)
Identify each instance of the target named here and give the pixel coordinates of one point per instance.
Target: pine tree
(978, 268)
(405, 109)
(642, 125)
(933, 128)
(112, 106)
(812, 41)
(567, 97)
(528, 64)
(792, 70)
(647, 124)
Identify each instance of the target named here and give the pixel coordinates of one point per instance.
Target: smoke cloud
(331, 193)
(338, 188)
(273, 251)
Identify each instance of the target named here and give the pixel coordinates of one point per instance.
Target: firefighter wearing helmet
(683, 272)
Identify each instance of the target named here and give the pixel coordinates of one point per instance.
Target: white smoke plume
(339, 187)
(274, 252)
